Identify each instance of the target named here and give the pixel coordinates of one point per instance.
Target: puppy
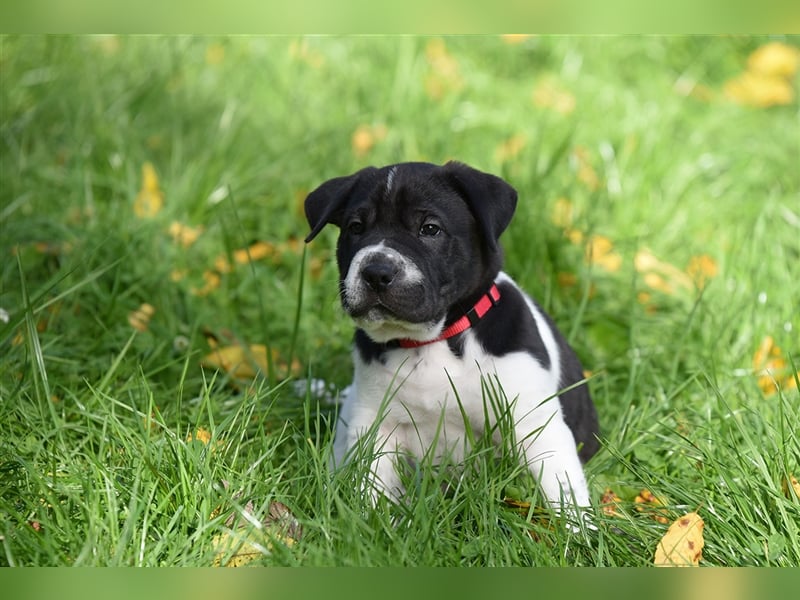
(420, 275)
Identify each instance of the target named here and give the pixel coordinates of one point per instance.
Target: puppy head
(415, 240)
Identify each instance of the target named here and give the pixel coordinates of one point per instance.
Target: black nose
(379, 276)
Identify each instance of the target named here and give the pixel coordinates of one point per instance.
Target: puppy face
(415, 241)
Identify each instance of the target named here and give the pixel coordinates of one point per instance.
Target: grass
(101, 462)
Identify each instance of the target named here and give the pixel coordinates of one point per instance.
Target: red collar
(482, 306)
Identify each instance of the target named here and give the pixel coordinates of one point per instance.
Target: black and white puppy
(419, 264)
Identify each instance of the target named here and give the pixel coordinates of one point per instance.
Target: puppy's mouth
(382, 323)
(374, 311)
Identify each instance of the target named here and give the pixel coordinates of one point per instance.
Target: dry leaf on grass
(609, 503)
(600, 251)
(771, 368)
(247, 539)
(184, 235)
(139, 319)
(150, 199)
(647, 502)
(246, 363)
(791, 487)
(682, 545)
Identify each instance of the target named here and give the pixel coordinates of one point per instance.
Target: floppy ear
(491, 200)
(326, 203)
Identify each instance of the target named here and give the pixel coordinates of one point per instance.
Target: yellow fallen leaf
(600, 251)
(759, 90)
(566, 279)
(647, 502)
(515, 38)
(549, 93)
(562, 213)
(609, 503)
(775, 58)
(771, 368)
(211, 281)
(702, 268)
(509, 149)
(150, 199)
(255, 251)
(177, 275)
(315, 267)
(215, 54)
(237, 548)
(580, 161)
(201, 434)
(791, 487)
(222, 264)
(575, 236)
(140, 318)
(682, 545)
(660, 275)
(184, 235)
(365, 137)
(444, 75)
(302, 51)
(244, 542)
(243, 363)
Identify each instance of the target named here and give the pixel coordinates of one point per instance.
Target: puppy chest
(427, 390)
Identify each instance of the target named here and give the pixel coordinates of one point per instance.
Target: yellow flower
(150, 199)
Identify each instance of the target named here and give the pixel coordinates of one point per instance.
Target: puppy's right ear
(326, 204)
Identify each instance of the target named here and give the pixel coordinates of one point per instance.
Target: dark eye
(355, 227)
(430, 230)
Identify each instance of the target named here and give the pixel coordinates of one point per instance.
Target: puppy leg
(552, 457)
(382, 478)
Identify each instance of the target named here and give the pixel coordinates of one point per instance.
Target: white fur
(414, 389)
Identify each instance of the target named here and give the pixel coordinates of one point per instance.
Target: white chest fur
(417, 401)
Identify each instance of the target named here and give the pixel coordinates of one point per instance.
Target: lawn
(171, 352)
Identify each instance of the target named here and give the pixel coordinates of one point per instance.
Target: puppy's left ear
(326, 203)
(491, 200)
